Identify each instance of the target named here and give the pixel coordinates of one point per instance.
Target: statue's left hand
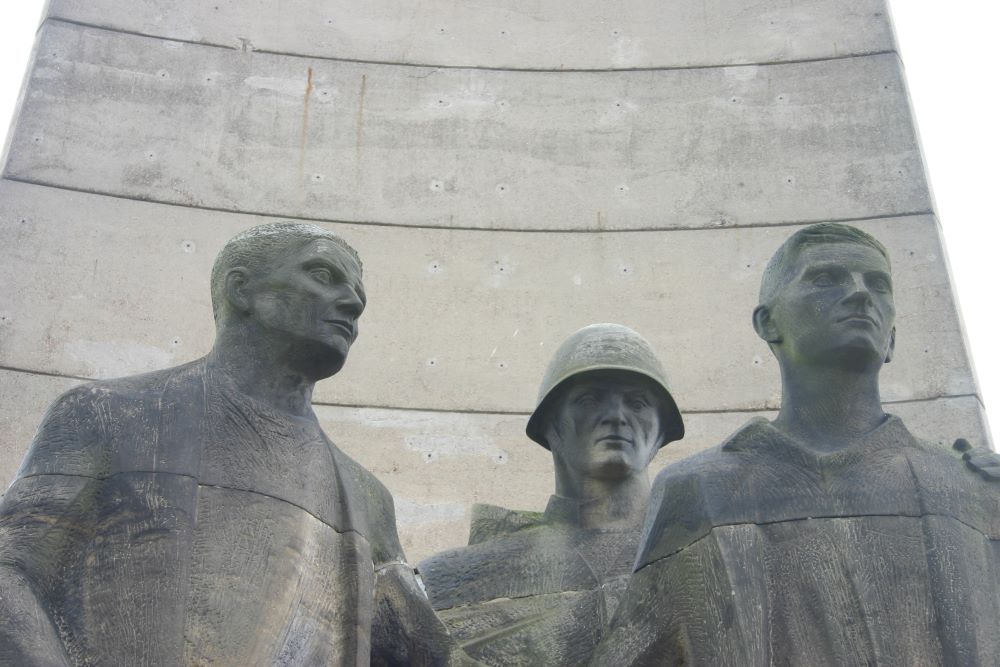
(984, 461)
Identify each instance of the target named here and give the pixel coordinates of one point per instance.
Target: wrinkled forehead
(845, 255)
(329, 251)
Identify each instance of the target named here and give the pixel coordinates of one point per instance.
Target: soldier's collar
(760, 434)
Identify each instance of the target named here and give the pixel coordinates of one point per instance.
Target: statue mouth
(616, 441)
(344, 326)
(858, 317)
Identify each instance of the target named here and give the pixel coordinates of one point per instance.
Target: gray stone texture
(645, 177)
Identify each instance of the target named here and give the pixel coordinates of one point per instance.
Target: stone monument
(830, 535)
(546, 165)
(199, 514)
(538, 588)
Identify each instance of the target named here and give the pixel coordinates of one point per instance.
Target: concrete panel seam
(762, 63)
(513, 413)
(470, 228)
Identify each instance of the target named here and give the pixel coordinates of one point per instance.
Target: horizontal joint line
(528, 70)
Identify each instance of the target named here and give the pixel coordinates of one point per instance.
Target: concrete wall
(508, 174)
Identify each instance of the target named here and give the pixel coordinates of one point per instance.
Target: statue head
(293, 287)
(826, 300)
(604, 408)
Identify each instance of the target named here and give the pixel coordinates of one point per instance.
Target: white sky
(951, 58)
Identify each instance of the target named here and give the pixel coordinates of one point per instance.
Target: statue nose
(860, 292)
(614, 412)
(350, 303)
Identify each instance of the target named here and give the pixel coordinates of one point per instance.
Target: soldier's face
(607, 425)
(311, 300)
(837, 307)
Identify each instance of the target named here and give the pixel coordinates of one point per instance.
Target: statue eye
(880, 284)
(322, 275)
(824, 279)
(638, 403)
(586, 400)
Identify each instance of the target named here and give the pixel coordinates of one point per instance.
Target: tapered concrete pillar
(509, 173)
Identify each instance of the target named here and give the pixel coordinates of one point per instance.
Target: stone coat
(530, 589)
(761, 552)
(168, 519)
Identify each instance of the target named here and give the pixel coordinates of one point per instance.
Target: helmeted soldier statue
(538, 588)
(199, 515)
(831, 535)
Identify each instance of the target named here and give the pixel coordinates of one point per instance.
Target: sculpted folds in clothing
(199, 515)
(538, 589)
(830, 536)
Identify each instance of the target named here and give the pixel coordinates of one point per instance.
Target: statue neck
(259, 371)
(603, 504)
(829, 408)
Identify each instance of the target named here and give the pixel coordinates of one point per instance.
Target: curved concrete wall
(497, 208)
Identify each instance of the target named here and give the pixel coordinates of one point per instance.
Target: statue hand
(984, 461)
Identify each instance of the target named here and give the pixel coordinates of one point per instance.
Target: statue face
(836, 308)
(606, 425)
(310, 301)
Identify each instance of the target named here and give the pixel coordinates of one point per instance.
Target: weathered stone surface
(829, 535)
(634, 33)
(199, 514)
(437, 464)
(883, 554)
(692, 292)
(221, 128)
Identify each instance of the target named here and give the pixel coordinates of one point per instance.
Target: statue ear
(236, 289)
(764, 325)
(892, 345)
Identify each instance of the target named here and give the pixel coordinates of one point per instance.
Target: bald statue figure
(538, 588)
(199, 515)
(831, 535)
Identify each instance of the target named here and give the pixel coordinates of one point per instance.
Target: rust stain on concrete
(360, 129)
(305, 126)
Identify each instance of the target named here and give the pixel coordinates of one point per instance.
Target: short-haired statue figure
(199, 515)
(831, 535)
(538, 589)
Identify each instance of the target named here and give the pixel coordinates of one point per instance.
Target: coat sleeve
(44, 517)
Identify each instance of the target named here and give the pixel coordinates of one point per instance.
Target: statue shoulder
(490, 521)
(685, 493)
(84, 422)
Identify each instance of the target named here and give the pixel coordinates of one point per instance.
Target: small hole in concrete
(501, 365)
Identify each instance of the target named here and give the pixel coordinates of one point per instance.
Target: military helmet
(601, 347)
